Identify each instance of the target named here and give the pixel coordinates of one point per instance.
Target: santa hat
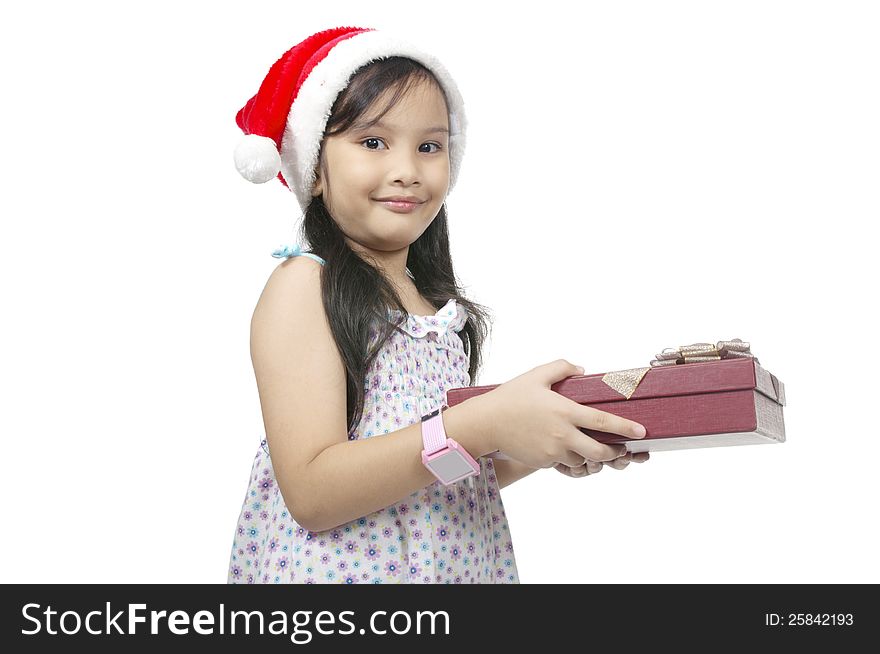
(284, 122)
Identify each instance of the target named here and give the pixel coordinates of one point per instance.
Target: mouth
(412, 199)
(400, 205)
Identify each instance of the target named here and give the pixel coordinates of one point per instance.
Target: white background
(639, 175)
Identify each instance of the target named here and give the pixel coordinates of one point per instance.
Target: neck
(391, 264)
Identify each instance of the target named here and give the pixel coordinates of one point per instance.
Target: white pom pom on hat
(285, 121)
(257, 158)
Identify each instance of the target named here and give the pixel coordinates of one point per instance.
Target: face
(404, 155)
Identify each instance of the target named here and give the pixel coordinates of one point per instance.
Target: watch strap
(433, 432)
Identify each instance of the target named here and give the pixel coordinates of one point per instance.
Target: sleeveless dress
(456, 534)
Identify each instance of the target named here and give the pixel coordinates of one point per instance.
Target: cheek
(443, 174)
(360, 172)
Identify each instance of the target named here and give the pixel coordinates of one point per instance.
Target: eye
(371, 139)
(375, 140)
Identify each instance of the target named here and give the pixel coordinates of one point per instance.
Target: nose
(405, 168)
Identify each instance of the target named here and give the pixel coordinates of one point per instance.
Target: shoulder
(291, 305)
(297, 268)
(295, 279)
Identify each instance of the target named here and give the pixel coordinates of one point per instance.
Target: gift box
(699, 395)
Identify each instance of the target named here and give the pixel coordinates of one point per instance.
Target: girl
(360, 478)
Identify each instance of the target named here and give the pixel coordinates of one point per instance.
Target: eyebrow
(380, 124)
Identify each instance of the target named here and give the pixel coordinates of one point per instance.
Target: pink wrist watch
(444, 457)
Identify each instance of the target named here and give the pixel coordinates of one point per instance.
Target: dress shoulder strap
(286, 251)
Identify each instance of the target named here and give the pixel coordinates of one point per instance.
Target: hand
(592, 467)
(539, 427)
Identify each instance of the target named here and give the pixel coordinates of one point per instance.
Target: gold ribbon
(734, 349)
(625, 382)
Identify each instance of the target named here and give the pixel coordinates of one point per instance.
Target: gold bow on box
(704, 352)
(625, 382)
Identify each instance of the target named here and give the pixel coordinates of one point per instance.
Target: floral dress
(438, 534)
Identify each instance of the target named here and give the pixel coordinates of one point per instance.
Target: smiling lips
(400, 203)
(400, 198)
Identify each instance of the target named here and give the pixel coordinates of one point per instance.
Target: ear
(318, 186)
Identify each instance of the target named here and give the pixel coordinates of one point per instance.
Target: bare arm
(508, 471)
(356, 478)
(325, 479)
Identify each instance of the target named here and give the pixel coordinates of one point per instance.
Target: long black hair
(354, 292)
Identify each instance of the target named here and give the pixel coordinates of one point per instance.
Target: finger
(587, 416)
(570, 472)
(576, 472)
(589, 448)
(572, 459)
(558, 370)
(621, 462)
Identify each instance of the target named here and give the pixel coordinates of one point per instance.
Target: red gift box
(707, 404)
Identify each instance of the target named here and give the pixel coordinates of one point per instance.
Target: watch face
(451, 465)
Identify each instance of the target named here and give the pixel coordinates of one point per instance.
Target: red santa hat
(284, 122)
